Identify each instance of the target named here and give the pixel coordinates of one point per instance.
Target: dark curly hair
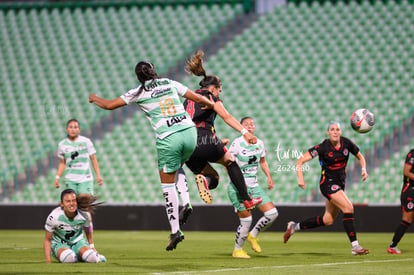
(145, 71)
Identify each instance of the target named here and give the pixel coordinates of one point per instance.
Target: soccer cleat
(174, 240)
(359, 250)
(203, 191)
(102, 258)
(252, 203)
(290, 230)
(185, 212)
(393, 250)
(240, 253)
(254, 243)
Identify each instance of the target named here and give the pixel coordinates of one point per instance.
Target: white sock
(90, 256)
(264, 222)
(182, 187)
(68, 256)
(242, 231)
(355, 243)
(171, 205)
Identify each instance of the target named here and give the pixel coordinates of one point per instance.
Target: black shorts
(209, 149)
(329, 186)
(407, 204)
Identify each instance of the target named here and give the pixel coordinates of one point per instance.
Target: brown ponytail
(194, 66)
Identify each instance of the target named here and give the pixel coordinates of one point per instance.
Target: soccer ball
(362, 120)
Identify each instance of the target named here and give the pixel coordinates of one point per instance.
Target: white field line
(281, 267)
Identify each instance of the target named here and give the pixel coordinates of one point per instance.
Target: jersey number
(69, 234)
(167, 107)
(190, 108)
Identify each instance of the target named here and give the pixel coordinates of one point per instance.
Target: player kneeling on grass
(64, 238)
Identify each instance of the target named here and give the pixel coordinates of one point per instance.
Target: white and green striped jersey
(76, 155)
(248, 157)
(65, 230)
(162, 105)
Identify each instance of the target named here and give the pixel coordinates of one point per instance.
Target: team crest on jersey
(410, 205)
(335, 187)
(346, 152)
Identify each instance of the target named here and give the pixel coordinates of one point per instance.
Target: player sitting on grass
(64, 226)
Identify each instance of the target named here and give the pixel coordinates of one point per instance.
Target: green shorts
(56, 246)
(254, 192)
(175, 149)
(81, 188)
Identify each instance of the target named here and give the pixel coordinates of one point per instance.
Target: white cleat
(290, 230)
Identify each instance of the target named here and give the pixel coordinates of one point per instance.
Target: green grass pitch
(143, 252)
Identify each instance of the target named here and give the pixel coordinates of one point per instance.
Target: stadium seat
(293, 69)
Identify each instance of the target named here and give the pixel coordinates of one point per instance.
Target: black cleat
(174, 240)
(185, 212)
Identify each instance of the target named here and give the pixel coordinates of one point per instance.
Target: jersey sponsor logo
(335, 187)
(68, 227)
(161, 92)
(249, 170)
(337, 166)
(245, 152)
(175, 120)
(157, 83)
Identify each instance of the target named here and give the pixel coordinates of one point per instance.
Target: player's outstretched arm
(232, 122)
(208, 103)
(107, 104)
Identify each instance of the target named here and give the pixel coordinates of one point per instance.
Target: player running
(407, 204)
(333, 155)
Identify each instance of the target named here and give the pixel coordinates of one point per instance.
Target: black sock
(311, 223)
(399, 233)
(212, 180)
(237, 179)
(348, 222)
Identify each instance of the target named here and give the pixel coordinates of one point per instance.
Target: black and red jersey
(333, 160)
(203, 119)
(409, 160)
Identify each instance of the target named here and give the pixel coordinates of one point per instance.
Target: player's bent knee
(90, 256)
(68, 256)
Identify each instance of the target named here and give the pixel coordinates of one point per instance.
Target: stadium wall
(379, 218)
